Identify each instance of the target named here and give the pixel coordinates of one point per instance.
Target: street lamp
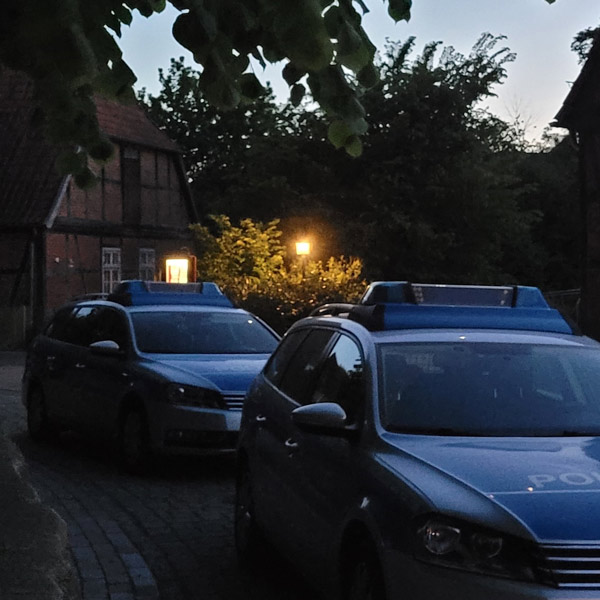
(302, 251)
(303, 248)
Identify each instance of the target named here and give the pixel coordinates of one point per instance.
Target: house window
(147, 264)
(111, 269)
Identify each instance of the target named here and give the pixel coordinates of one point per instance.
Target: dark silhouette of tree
(438, 194)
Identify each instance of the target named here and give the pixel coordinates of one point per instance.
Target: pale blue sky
(539, 33)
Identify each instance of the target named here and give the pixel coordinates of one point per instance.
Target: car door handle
(80, 365)
(291, 444)
(260, 418)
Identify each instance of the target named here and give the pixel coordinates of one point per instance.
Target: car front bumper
(177, 429)
(409, 578)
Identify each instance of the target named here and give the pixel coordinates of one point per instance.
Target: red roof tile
(129, 123)
(29, 182)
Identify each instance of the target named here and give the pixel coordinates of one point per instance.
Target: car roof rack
(136, 292)
(393, 305)
(333, 309)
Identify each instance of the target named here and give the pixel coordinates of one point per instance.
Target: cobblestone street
(167, 536)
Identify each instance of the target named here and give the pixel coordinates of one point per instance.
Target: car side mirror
(323, 417)
(106, 348)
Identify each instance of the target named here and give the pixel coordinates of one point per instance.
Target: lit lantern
(178, 270)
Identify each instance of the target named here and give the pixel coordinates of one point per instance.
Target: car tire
(134, 442)
(38, 426)
(363, 575)
(250, 544)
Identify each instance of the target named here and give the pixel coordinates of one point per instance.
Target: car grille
(570, 566)
(234, 401)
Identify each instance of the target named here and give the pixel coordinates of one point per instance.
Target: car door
(275, 443)
(53, 355)
(103, 377)
(322, 473)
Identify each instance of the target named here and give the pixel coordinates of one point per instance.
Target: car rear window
(195, 332)
(490, 389)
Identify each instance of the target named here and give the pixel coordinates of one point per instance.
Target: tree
(549, 185)
(68, 48)
(250, 264)
(433, 195)
(437, 194)
(582, 42)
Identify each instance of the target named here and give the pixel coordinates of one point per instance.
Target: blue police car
(433, 442)
(159, 368)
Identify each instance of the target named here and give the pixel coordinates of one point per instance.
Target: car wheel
(249, 542)
(37, 417)
(364, 577)
(134, 442)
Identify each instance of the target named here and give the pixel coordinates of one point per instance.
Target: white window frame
(111, 269)
(147, 264)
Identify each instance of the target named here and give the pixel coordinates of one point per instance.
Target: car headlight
(189, 395)
(461, 545)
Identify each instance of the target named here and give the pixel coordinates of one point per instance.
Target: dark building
(58, 241)
(580, 114)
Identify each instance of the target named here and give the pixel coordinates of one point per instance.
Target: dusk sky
(539, 33)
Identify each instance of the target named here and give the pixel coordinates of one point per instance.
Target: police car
(433, 442)
(158, 368)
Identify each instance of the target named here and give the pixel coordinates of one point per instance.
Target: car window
(300, 375)
(490, 389)
(89, 324)
(279, 360)
(340, 378)
(60, 326)
(201, 332)
(108, 324)
(72, 325)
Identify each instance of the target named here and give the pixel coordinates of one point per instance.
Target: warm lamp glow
(177, 270)
(302, 248)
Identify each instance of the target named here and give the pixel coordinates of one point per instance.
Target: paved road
(167, 536)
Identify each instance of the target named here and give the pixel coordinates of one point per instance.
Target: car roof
(402, 311)
(163, 307)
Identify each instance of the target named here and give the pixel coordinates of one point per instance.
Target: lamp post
(302, 251)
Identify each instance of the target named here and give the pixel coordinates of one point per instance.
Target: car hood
(228, 373)
(545, 488)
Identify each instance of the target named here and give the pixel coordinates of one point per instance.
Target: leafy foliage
(582, 43)
(442, 191)
(248, 261)
(550, 185)
(70, 49)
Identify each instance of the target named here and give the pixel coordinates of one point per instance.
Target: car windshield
(490, 389)
(199, 332)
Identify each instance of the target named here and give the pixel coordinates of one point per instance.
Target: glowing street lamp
(302, 248)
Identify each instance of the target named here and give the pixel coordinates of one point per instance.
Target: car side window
(91, 324)
(299, 377)
(281, 357)
(80, 328)
(109, 324)
(60, 325)
(341, 378)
